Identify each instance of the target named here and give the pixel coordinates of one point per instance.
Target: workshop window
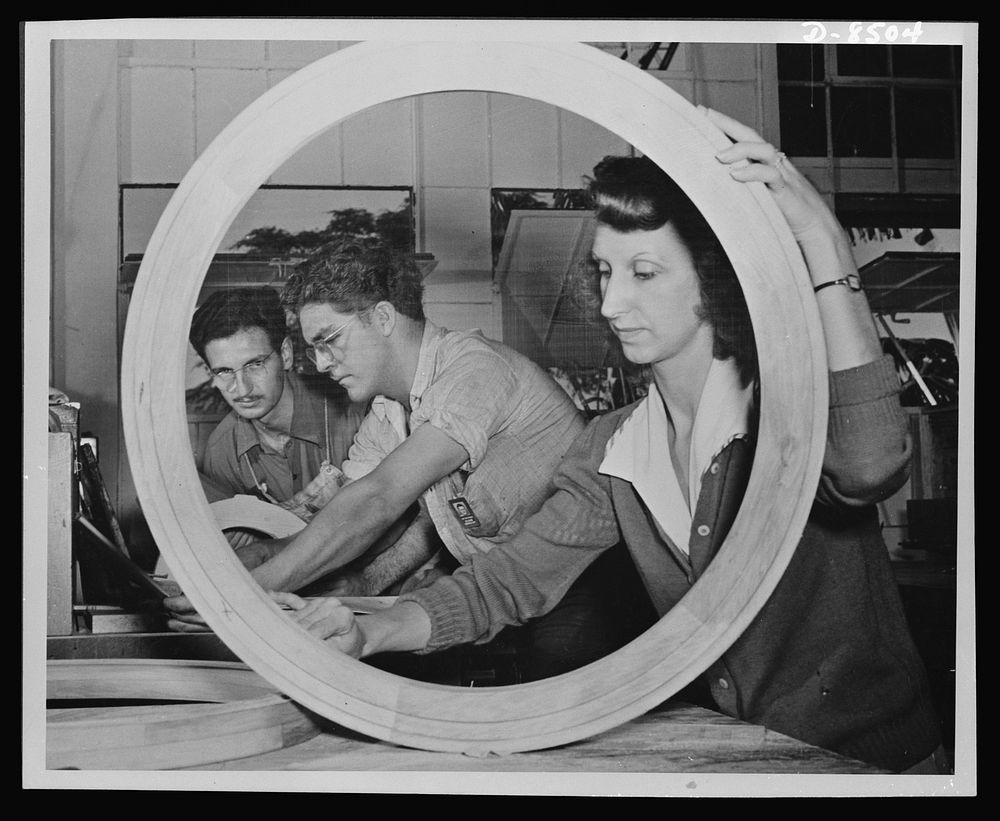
(899, 102)
(541, 259)
(277, 228)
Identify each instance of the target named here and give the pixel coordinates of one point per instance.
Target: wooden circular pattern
(243, 715)
(251, 513)
(661, 124)
(244, 512)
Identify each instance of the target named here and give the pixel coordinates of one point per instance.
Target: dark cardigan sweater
(828, 659)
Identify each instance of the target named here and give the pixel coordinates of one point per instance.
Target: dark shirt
(324, 422)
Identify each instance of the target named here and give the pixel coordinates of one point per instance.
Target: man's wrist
(404, 627)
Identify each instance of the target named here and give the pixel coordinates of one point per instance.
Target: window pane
(803, 120)
(800, 62)
(860, 122)
(863, 61)
(925, 61)
(925, 123)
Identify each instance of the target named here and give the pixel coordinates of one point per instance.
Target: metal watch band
(842, 281)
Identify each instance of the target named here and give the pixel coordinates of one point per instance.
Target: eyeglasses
(325, 346)
(225, 378)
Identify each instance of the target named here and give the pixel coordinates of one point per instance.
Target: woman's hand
(327, 619)
(750, 158)
(851, 337)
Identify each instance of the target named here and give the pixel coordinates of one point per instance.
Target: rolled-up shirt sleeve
(470, 401)
(375, 439)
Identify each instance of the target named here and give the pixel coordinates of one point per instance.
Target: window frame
(832, 79)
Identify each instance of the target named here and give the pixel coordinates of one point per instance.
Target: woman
(828, 659)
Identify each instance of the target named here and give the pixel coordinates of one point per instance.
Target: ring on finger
(779, 159)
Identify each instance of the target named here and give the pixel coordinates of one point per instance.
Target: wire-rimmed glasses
(225, 378)
(326, 345)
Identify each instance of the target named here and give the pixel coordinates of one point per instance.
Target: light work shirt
(511, 417)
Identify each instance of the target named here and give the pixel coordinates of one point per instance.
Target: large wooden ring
(661, 124)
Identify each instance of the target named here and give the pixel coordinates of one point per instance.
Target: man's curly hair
(353, 276)
(227, 312)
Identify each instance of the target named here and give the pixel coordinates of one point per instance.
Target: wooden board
(658, 122)
(59, 609)
(246, 716)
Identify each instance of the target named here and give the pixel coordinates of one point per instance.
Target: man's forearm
(416, 545)
(338, 534)
(363, 510)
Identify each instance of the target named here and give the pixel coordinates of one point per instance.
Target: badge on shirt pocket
(463, 512)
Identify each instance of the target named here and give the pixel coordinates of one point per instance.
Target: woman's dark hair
(634, 194)
(355, 275)
(227, 312)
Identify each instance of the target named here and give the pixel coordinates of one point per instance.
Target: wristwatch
(852, 281)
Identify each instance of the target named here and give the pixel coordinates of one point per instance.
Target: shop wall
(142, 111)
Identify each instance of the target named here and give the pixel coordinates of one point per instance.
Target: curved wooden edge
(247, 513)
(166, 736)
(254, 514)
(659, 123)
(193, 680)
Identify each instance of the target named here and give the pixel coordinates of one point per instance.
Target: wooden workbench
(674, 738)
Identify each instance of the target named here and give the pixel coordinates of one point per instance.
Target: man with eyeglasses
(464, 425)
(285, 439)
